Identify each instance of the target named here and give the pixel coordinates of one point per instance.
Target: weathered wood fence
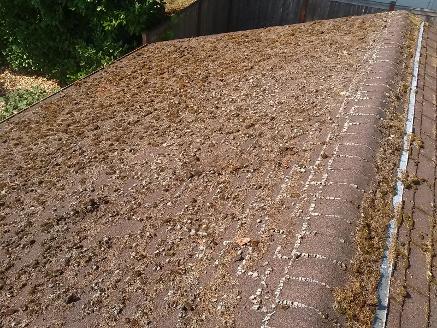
(205, 17)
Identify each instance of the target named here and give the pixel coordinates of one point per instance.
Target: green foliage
(20, 99)
(66, 39)
(167, 35)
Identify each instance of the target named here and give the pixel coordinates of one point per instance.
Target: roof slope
(169, 187)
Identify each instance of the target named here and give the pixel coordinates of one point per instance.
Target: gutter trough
(387, 259)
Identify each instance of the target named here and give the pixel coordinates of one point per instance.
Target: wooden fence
(205, 17)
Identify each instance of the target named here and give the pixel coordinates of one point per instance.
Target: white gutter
(387, 259)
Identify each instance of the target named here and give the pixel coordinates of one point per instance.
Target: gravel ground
(11, 81)
(155, 192)
(172, 6)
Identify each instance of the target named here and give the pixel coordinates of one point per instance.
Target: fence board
(206, 17)
(322, 11)
(185, 23)
(295, 11)
(275, 12)
(285, 11)
(214, 16)
(311, 9)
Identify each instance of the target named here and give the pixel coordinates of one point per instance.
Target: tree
(66, 39)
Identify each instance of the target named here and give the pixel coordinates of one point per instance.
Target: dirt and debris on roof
(176, 186)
